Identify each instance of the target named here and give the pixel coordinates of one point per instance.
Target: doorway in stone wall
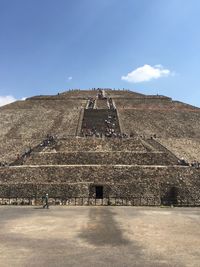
(99, 191)
(173, 195)
(170, 196)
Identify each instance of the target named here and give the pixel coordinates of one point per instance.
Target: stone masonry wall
(165, 124)
(127, 158)
(32, 121)
(187, 148)
(123, 181)
(99, 144)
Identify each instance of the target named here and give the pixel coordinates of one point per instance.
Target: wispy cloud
(69, 78)
(146, 73)
(4, 100)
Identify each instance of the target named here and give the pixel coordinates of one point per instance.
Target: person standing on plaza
(46, 201)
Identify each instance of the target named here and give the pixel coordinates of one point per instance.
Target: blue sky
(96, 43)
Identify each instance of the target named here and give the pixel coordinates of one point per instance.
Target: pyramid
(100, 147)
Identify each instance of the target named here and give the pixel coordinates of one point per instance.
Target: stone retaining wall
(128, 158)
(171, 124)
(186, 148)
(99, 144)
(121, 181)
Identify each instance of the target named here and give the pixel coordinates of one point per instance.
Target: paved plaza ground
(99, 236)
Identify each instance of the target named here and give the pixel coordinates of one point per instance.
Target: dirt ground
(99, 236)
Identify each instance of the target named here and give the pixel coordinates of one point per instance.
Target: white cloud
(4, 100)
(69, 78)
(146, 73)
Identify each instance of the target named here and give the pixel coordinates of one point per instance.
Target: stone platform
(99, 237)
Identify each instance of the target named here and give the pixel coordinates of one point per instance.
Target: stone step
(101, 104)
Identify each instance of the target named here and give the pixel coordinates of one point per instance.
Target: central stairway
(96, 119)
(100, 118)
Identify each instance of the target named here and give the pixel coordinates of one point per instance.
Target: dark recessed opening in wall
(99, 191)
(173, 194)
(170, 196)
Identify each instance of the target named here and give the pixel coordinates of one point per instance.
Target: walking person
(46, 201)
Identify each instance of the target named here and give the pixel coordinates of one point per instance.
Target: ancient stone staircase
(101, 104)
(95, 119)
(47, 142)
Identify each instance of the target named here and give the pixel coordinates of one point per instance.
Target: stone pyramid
(100, 147)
